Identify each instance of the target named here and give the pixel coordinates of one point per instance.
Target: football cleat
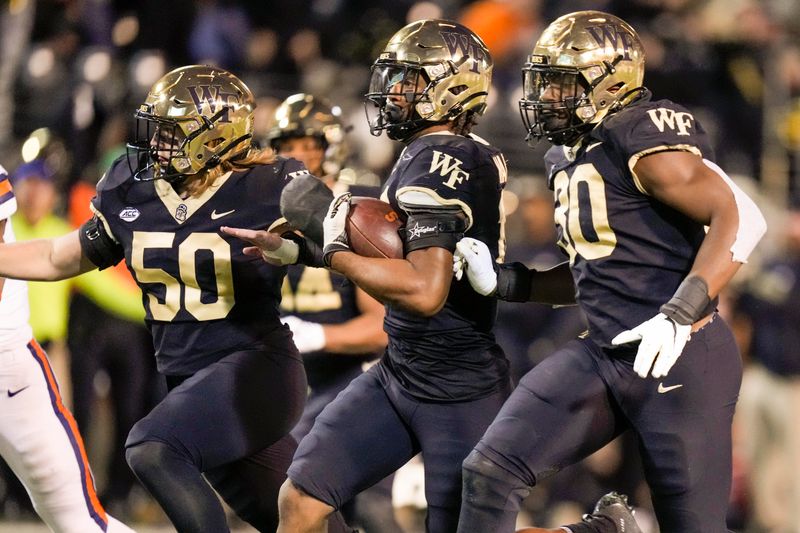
(614, 506)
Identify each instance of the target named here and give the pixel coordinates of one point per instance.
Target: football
(372, 228)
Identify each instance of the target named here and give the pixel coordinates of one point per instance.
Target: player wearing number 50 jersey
(635, 188)
(236, 382)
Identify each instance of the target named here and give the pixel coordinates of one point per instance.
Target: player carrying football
(443, 377)
(635, 190)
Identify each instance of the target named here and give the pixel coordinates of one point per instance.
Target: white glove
(474, 257)
(662, 341)
(333, 227)
(308, 336)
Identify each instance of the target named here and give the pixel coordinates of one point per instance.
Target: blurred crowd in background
(73, 71)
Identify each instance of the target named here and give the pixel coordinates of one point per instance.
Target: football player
(336, 326)
(236, 381)
(39, 438)
(653, 230)
(443, 377)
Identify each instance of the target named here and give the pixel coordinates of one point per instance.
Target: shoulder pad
(290, 168)
(118, 173)
(646, 127)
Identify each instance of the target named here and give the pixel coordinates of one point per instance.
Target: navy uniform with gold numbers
(443, 377)
(634, 183)
(236, 382)
(628, 254)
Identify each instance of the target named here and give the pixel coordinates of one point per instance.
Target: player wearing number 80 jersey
(236, 382)
(634, 187)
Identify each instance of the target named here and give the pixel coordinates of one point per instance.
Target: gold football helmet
(304, 115)
(193, 118)
(430, 72)
(584, 66)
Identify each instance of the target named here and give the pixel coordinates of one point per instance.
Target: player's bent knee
(297, 506)
(145, 458)
(489, 485)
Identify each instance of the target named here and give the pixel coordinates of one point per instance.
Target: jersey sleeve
(8, 202)
(655, 127)
(438, 177)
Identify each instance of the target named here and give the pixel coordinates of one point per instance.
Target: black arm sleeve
(514, 282)
(310, 253)
(98, 246)
(426, 227)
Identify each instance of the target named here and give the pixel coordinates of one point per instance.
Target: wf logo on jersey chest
(674, 120)
(448, 167)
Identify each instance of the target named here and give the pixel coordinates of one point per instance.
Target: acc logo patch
(129, 214)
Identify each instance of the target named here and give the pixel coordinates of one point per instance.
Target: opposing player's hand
(333, 227)
(473, 257)
(273, 248)
(661, 343)
(308, 336)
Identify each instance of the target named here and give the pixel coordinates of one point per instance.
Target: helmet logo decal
(448, 167)
(469, 49)
(210, 95)
(611, 35)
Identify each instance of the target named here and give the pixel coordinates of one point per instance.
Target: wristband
(514, 283)
(309, 254)
(690, 302)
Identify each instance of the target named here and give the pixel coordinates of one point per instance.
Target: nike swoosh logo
(215, 215)
(14, 393)
(662, 389)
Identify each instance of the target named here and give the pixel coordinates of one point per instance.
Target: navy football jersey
(453, 354)
(203, 298)
(628, 252)
(326, 297)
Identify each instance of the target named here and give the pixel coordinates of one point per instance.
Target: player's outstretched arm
(44, 259)
(512, 282)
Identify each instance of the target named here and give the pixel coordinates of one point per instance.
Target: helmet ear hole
(213, 143)
(458, 89)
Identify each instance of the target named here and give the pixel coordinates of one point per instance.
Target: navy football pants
(371, 510)
(579, 399)
(230, 421)
(374, 427)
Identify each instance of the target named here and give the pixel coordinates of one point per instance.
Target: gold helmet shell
(448, 68)
(603, 54)
(306, 115)
(206, 111)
